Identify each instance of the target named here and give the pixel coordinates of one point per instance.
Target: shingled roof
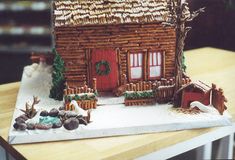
(87, 12)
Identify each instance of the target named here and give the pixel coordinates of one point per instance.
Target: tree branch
(187, 29)
(195, 14)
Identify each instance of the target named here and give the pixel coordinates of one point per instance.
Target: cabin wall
(72, 43)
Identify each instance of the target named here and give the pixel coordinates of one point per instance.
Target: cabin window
(136, 65)
(155, 65)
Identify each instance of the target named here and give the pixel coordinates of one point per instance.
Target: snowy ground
(109, 119)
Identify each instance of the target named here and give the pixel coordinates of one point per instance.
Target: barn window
(155, 65)
(136, 65)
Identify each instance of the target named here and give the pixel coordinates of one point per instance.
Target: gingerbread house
(114, 41)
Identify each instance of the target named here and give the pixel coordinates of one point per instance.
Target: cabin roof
(90, 12)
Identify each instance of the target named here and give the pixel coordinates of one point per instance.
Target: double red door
(106, 82)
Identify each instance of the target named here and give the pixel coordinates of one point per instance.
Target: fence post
(94, 85)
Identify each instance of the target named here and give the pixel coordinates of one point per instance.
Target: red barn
(195, 91)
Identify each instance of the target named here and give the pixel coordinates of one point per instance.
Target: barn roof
(87, 12)
(202, 87)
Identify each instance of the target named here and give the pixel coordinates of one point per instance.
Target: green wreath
(98, 69)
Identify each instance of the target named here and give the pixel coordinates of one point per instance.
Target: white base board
(111, 118)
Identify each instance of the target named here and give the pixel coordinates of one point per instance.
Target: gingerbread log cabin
(114, 41)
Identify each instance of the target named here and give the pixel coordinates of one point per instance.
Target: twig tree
(178, 18)
(58, 79)
(30, 110)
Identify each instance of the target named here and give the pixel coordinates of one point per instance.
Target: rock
(44, 113)
(57, 125)
(49, 120)
(16, 125)
(23, 116)
(70, 114)
(20, 126)
(20, 120)
(61, 108)
(53, 112)
(79, 116)
(71, 123)
(61, 113)
(82, 121)
(43, 126)
(30, 126)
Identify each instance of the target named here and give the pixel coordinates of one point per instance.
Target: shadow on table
(7, 152)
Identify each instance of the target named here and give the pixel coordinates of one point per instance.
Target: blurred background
(25, 27)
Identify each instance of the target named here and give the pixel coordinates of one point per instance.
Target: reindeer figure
(30, 111)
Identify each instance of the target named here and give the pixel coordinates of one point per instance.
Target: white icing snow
(109, 119)
(78, 109)
(207, 109)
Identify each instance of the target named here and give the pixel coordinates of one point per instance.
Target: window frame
(138, 64)
(161, 65)
(145, 65)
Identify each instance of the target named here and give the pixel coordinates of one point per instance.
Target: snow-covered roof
(87, 12)
(202, 87)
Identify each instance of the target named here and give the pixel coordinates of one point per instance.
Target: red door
(107, 81)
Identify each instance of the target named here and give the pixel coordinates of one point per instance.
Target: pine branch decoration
(58, 80)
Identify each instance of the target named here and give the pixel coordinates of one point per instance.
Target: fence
(83, 103)
(132, 102)
(78, 90)
(218, 99)
(165, 92)
(163, 89)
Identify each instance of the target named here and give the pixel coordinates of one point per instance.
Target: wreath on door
(101, 71)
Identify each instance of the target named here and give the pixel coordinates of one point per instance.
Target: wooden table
(207, 64)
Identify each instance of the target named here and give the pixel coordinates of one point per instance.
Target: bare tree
(30, 111)
(178, 17)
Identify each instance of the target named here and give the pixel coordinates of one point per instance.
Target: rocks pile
(71, 119)
(53, 119)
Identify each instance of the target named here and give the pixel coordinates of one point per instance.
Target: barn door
(105, 69)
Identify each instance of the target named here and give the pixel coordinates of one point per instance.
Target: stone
(44, 113)
(16, 125)
(20, 126)
(61, 113)
(61, 108)
(57, 125)
(43, 126)
(23, 116)
(70, 114)
(53, 112)
(49, 120)
(71, 123)
(30, 126)
(79, 116)
(82, 121)
(20, 120)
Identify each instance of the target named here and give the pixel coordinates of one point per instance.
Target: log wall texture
(73, 42)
